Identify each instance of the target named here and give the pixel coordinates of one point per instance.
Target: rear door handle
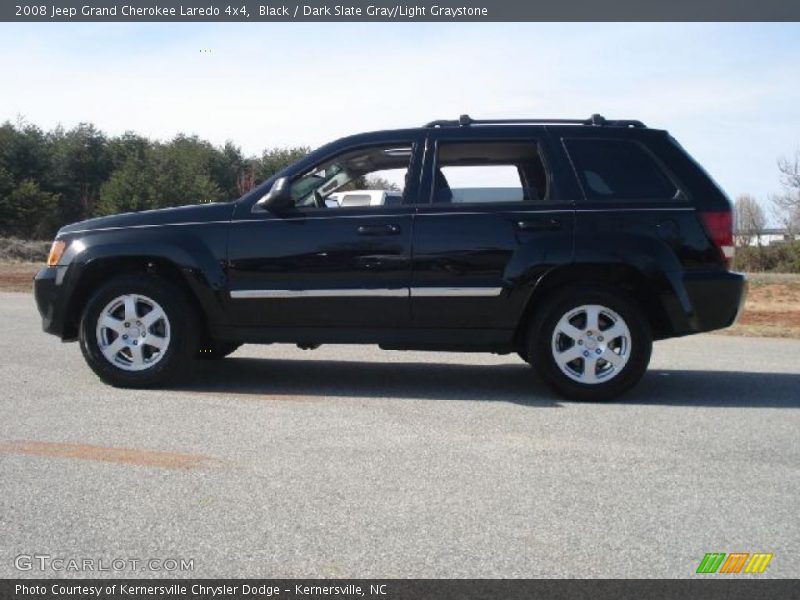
(378, 229)
(539, 225)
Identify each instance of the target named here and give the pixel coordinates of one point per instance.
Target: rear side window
(494, 172)
(484, 183)
(618, 170)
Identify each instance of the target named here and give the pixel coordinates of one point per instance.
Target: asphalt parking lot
(352, 462)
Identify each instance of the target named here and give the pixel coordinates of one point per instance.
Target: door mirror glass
(279, 195)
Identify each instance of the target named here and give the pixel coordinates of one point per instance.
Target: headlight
(56, 250)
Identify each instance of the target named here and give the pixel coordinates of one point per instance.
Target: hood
(202, 213)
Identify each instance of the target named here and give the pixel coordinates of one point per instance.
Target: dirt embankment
(18, 276)
(772, 308)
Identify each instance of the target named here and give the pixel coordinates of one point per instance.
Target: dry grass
(772, 308)
(18, 250)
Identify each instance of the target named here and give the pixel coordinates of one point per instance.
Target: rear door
(491, 220)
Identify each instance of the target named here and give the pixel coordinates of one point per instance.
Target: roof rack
(595, 120)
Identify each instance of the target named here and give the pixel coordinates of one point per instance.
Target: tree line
(51, 178)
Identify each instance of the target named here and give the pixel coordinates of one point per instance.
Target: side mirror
(279, 195)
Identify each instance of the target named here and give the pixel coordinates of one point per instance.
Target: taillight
(719, 226)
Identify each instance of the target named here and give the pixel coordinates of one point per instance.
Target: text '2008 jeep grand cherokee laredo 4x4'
(574, 243)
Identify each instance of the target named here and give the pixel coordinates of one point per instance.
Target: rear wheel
(137, 331)
(590, 344)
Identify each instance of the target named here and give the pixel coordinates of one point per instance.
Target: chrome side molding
(418, 292)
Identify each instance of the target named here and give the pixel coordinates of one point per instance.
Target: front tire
(137, 331)
(590, 344)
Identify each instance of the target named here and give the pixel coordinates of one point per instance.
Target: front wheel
(137, 331)
(590, 344)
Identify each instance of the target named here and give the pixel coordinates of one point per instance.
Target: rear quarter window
(618, 170)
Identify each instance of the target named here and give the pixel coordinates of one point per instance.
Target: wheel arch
(647, 291)
(93, 273)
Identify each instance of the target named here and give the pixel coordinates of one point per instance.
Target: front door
(326, 263)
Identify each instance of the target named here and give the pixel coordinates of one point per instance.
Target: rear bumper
(46, 290)
(713, 300)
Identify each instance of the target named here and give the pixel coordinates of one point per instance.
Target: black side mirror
(279, 195)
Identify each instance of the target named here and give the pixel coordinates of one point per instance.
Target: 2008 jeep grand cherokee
(574, 243)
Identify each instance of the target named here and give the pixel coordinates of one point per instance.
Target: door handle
(539, 225)
(378, 229)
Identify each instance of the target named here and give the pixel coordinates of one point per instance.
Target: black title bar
(385, 10)
(706, 587)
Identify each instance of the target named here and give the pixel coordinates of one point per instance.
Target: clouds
(728, 92)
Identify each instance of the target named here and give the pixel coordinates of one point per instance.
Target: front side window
(618, 170)
(493, 172)
(358, 178)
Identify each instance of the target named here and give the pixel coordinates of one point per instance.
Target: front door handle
(378, 229)
(539, 225)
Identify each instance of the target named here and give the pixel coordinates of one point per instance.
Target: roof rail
(595, 120)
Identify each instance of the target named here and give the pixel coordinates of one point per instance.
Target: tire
(138, 331)
(562, 330)
(216, 350)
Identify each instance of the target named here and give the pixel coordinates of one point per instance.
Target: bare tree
(245, 180)
(750, 220)
(786, 205)
(790, 175)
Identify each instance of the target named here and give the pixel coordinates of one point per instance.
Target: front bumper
(46, 290)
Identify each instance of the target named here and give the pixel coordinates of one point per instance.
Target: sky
(730, 93)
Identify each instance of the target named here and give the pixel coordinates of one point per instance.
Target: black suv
(574, 243)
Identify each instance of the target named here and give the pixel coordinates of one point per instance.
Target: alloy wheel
(591, 344)
(133, 332)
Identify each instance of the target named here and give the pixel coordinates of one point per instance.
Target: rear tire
(590, 344)
(138, 331)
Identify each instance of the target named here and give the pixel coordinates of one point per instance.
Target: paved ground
(348, 461)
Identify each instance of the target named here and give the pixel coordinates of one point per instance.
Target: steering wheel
(319, 201)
